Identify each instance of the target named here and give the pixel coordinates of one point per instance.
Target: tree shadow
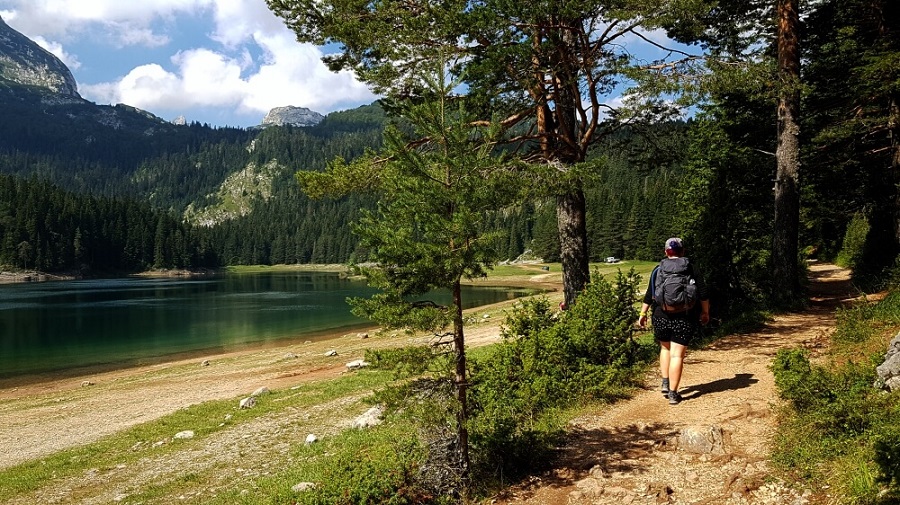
(739, 381)
(619, 449)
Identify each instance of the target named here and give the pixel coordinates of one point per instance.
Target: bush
(854, 242)
(403, 361)
(548, 362)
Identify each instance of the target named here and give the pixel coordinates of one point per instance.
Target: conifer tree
(545, 68)
(436, 190)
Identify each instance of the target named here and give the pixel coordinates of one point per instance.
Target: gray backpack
(674, 289)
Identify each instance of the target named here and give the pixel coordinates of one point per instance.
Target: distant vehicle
(612, 259)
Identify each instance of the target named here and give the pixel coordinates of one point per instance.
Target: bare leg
(676, 364)
(664, 354)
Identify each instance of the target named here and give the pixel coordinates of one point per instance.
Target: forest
(710, 177)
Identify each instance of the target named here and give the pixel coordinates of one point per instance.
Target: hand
(704, 318)
(642, 321)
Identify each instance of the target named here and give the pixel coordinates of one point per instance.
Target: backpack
(674, 289)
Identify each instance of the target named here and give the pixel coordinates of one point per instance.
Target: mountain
(24, 62)
(293, 116)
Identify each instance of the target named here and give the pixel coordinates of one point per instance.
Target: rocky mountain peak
(24, 62)
(294, 116)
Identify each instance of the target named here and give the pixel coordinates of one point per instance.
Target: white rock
(290, 115)
(353, 365)
(331, 353)
(363, 335)
(204, 362)
(261, 391)
(248, 403)
(371, 417)
(86, 383)
(186, 434)
(303, 486)
(311, 439)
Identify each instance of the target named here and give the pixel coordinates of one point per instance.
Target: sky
(219, 62)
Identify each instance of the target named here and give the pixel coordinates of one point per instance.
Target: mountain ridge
(24, 62)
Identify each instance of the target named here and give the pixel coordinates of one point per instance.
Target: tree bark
(787, 181)
(570, 216)
(462, 418)
(894, 132)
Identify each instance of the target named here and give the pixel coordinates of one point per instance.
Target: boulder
(355, 364)
(889, 371)
(248, 403)
(303, 486)
(369, 418)
(702, 440)
(183, 435)
(259, 392)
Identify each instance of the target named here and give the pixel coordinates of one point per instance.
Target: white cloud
(290, 75)
(127, 34)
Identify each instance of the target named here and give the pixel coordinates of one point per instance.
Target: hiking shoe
(674, 398)
(665, 387)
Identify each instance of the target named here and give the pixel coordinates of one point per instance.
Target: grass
(833, 420)
(154, 440)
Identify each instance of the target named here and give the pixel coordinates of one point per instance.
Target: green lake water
(67, 325)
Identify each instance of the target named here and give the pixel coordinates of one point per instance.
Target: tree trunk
(571, 208)
(460, 380)
(787, 181)
(894, 132)
(570, 216)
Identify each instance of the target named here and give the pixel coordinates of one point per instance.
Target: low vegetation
(837, 430)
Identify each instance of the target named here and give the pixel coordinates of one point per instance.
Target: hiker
(675, 321)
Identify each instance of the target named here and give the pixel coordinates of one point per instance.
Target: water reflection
(63, 325)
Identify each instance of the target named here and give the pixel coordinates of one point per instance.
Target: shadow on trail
(614, 450)
(739, 381)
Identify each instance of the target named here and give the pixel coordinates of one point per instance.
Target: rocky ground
(712, 448)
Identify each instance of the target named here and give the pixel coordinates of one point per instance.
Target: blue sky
(221, 62)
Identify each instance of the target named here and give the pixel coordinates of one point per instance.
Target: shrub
(549, 362)
(854, 242)
(403, 361)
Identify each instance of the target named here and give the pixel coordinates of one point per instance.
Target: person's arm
(645, 306)
(704, 296)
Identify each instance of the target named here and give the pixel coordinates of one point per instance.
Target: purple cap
(674, 244)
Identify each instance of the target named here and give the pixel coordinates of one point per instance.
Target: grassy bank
(838, 432)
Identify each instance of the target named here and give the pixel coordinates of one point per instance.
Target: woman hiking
(672, 293)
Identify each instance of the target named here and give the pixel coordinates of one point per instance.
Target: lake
(66, 325)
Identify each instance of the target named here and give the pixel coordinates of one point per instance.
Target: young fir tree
(435, 190)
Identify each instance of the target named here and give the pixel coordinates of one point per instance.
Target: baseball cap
(674, 244)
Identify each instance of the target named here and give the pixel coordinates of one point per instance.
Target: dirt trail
(629, 453)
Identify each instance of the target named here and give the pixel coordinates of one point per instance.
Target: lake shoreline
(75, 374)
(80, 408)
(13, 277)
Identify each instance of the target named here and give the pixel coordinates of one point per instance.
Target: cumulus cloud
(289, 75)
